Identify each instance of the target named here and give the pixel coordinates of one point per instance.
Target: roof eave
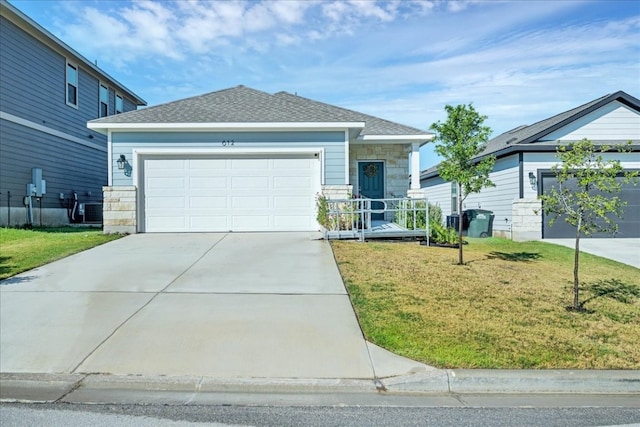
(395, 139)
(227, 126)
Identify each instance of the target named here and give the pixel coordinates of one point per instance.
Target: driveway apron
(259, 305)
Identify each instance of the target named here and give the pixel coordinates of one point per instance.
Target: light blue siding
(331, 142)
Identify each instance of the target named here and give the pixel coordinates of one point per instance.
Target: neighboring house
(522, 172)
(244, 160)
(48, 92)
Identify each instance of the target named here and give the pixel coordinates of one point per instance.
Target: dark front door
(371, 184)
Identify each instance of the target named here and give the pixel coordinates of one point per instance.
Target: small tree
(591, 204)
(462, 137)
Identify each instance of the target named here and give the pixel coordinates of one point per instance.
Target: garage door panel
(207, 165)
(283, 183)
(166, 202)
(250, 202)
(160, 164)
(209, 223)
(167, 222)
(166, 183)
(207, 202)
(250, 164)
(239, 194)
(253, 182)
(291, 202)
(291, 164)
(207, 183)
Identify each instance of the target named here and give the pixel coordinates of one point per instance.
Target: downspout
(521, 174)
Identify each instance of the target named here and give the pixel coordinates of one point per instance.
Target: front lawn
(504, 309)
(22, 250)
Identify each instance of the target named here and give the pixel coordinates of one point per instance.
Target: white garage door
(231, 194)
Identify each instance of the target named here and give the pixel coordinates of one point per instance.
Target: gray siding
(33, 88)
(332, 142)
(66, 166)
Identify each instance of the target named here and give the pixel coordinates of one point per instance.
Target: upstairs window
(72, 85)
(119, 104)
(104, 100)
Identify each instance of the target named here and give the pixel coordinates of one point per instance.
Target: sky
(518, 62)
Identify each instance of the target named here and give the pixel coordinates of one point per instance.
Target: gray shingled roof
(531, 138)
(242, 104)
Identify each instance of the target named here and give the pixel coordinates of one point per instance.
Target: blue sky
(517, 61)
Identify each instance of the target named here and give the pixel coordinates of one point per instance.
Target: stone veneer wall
(396, 158)
(337, 191)
(526, 220)
(119, 209)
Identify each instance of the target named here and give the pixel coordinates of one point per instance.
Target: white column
(415, 166)
(346, 157)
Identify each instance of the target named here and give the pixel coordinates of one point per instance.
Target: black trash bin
(479, 222)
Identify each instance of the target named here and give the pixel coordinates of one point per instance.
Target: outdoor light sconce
(121, 162)
(533, 181)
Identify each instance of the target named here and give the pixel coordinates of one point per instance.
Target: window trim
(115, 107)
(100, 86)
(454, 198)
(74, 84)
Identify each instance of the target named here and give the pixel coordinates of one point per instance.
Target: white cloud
(517, 61)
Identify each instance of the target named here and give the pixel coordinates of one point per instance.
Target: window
(72, 85)
(104, 100)
(119, 104)
(454, 198)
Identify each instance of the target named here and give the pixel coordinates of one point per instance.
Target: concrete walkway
(626, 251)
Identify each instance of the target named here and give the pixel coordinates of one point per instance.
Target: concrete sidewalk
(624, 250)
(197, 313)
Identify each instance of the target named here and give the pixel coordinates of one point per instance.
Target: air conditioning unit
(91, 213)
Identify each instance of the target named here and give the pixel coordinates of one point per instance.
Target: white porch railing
(363, 218)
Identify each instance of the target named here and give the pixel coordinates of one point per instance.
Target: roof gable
(542, 130)
(543, 135)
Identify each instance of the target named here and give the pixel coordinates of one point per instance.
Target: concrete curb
(103, 388)
(481, 381)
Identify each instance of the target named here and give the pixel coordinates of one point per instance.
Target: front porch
(363, 218)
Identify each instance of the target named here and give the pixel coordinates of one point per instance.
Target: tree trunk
(576, 264)
(460, 257)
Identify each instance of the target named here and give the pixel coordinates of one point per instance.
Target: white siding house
(525, 156)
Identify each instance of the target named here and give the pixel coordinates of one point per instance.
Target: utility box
(478, 222)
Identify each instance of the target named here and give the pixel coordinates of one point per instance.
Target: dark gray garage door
(628, 223)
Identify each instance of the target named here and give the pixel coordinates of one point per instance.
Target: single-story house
(241, 159)
(522, 171)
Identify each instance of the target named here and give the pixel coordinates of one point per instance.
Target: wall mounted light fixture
(533, 181)
(121, 161)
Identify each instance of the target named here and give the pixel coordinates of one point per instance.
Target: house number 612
(228, 143)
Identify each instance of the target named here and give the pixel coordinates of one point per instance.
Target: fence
(363, 218)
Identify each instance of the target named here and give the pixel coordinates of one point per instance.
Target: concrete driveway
(259, 305)
(626, 251)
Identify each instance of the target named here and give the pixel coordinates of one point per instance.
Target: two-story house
(52, 168)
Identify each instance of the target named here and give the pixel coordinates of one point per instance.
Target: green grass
(22, 250)
(506, 308)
